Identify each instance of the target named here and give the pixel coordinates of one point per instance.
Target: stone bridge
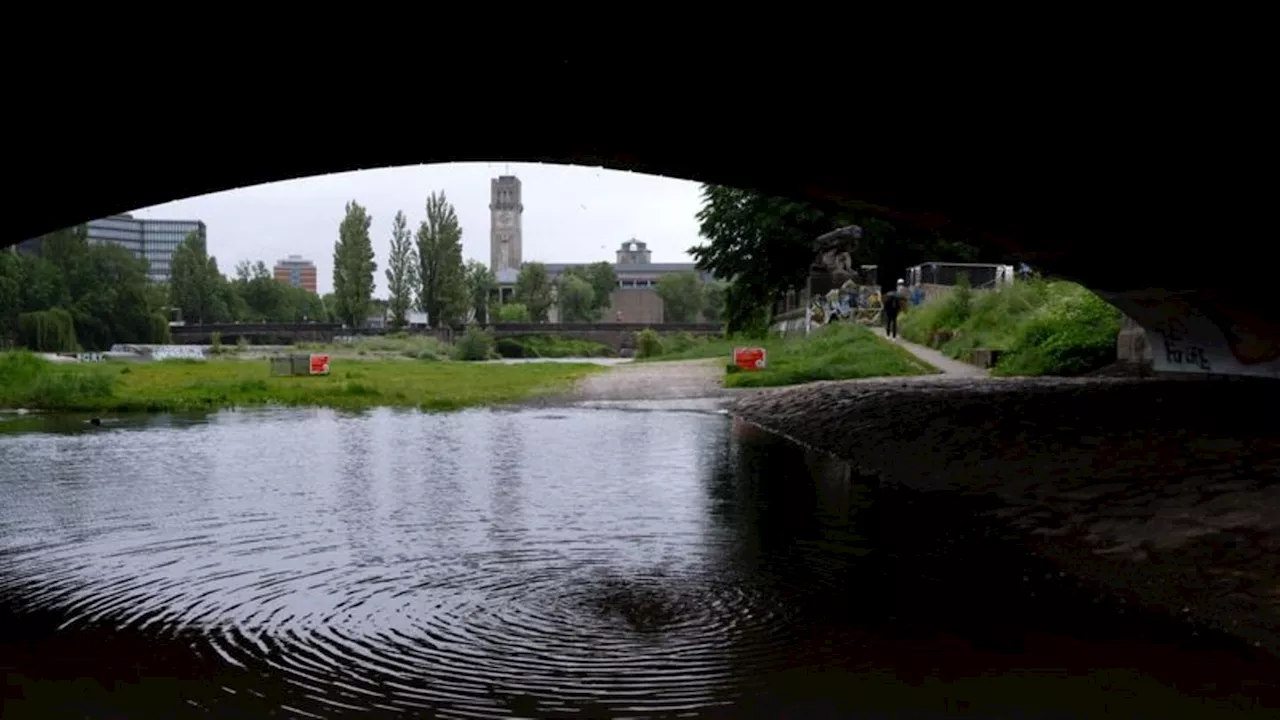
(1076, 197)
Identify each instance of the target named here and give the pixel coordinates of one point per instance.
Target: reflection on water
(567, 563)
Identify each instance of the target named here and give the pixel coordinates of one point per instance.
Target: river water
(572, 562)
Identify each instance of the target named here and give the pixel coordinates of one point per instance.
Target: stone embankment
(1163, 494)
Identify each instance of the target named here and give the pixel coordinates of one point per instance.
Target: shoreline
(1126, 484)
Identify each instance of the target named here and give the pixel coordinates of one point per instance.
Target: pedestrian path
(949, 367)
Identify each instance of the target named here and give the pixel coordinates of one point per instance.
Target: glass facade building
(153, 240)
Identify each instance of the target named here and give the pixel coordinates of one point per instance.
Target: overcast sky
(571, 214)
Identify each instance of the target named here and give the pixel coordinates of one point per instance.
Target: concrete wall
(638, 305)
(1131, 343)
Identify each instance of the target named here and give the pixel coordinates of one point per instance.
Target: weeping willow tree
(47, 331)
(159, 334)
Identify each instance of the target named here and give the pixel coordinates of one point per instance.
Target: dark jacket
(892, 302)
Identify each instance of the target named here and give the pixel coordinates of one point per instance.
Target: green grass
(30, 382)
(550, 346)
(417, 347)
(837, 352)
(1042, 327)
(841, 351)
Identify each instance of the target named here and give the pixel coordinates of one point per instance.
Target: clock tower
(505, 210)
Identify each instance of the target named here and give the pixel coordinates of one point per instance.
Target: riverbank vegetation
(839, 351)
(1040, 327)
(28, 381)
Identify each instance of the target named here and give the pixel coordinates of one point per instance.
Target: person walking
(892, 305)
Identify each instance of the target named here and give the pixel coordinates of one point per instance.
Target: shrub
(475, 344)
(513, 313)
(215, 343)
(48, 331)
(648, 343)
(30, 381)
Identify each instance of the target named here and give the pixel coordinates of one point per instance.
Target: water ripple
(584, 563)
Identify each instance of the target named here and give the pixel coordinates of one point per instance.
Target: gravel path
(680, 379)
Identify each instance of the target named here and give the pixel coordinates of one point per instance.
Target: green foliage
(1043, 328)
(648, 344)
(27, 381)
(176, 385)
(402, 271)
(47, 331)
(534, 290)
(194, 281)
(576, 299)
(682, 296)
(444, 295)
(763, 245)
(476, 343)
(582, 306)
(713, 296)
(215, 343)
(841, 351)
(1073, 333)
(160, 334)
(353, 267)
(480, 284)
(549, 346)
(513, 313)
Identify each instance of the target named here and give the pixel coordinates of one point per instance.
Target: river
(557, 562)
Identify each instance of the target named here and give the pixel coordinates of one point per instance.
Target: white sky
(571, 214)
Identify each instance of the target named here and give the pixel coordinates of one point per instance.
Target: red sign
(749, 358)
(319, 364)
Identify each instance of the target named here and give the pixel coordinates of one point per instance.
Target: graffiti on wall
(1190, 334)
(848, 303)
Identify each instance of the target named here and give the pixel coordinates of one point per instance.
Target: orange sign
(749, 358)
(319, 364)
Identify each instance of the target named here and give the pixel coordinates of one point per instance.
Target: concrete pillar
(1131, 343)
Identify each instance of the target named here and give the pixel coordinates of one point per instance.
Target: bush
(648, 343)
(30, 381)
(475, 344)
(1043, 328)
(1073, 333)
(48, 331)
(215, 343)
(512, 313)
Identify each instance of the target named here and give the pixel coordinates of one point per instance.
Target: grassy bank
(837, 352)
(30, 382)
(1041, 327)
(549, 346)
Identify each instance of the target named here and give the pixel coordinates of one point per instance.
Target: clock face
(506, 218)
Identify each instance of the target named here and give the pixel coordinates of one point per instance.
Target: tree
(513, 313)
(353, 266)
(577, 299)
(402, 271)
(193, 280)
(444, 291)
(713, 301)
(604, 280)
(681, 295)
(763, 246)
(10, 294)
(480, 284)
(533, 290)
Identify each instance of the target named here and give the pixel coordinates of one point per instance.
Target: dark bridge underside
(1081, 186)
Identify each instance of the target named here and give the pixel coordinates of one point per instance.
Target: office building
(296, 271)
(153, 240)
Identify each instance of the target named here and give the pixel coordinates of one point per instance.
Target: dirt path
(679, 379)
